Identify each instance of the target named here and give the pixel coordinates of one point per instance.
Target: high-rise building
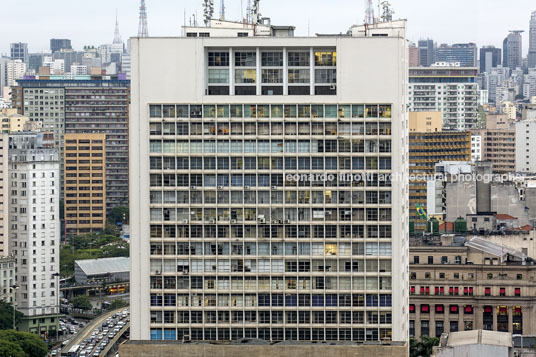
(11, 121)
(498, 147)
(89, 106)
(450, 90)
(57, 44)
(463, 53)
(18, 51)
(532, 41)
(15, 70)
(426, 149)
(513, 50)
(35, 230)
(221, 226)
(413, 55)
(69, 57)
(85, 183)
(526, 146)
(4, 196)
(7, 272)
(426, 52)
(489, 57)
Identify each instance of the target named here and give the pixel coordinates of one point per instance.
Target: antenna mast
(369, 12)
(208, 11)
(255, 12)
(387, 15)
(222, 10)
(142, 26)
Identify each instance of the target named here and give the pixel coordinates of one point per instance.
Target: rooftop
(104, 265)
(501, 251)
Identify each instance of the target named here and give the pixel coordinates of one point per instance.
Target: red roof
(446, 227)
(505, 216)
(527, 227)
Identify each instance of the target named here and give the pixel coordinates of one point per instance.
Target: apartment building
(35, 230)
(498, 147)
(470, 284)
(425, 151)
(448, 89)
(7, 278)
(85, 183)
(525, 146)
(11, 121)
(227, 242)
(89, 104)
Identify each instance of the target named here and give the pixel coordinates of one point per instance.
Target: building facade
(7, 278)
(490, 57)
(15, 70)
(85, 106)
(57, 44)
(19, 51)
(532, 41)
(85, 183)
(425, 151)
(499, 148)
(525, 149)
(35, 230)
(4, 195)
(476, 147)
(238, 245)
(460, 288)
(513, 50)
(426, 52)
(12, 121)
(425, 122)
(450, 90)
(464, 53)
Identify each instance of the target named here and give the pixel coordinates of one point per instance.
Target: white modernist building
(34, 175)
(225, 242)
(526, 146)
(476, 147)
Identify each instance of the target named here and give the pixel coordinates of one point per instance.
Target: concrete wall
(472, 351)
(143, 349)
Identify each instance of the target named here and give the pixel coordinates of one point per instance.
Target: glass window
(155, 111)
(272, 59)
(245, 75)
(299, 76)
(236, 111)
(245, 59)
(277, 111)
(272, 76)
(298, 59)
(218, 75)
(325, 75)
(218, 59)
(325, 58)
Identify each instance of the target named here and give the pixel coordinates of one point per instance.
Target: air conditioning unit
(274, 187)
(287, 221)
(212, 221)
(233, 220)
(275, 221)
(193, 187)
(262, 220)
(185, 221)
(333, 86)
(220, 187)
(246, 187)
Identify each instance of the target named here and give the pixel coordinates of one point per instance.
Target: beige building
(7, 278)
(425, 122)
(498, 146)
(12, 121)
(85, 183)
(4, 193)
(469, 285)
(499, 121)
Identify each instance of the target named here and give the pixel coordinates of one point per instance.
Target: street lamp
(13, 289)
(57, 275)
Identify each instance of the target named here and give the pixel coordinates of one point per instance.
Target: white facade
(436, 188)
(35, 226)
(78, 70)
(447, 88)
(4, 194)
(7, 278)
(476, 148)
(526, 146)
(15, 69)
(266, 261)
(483, 97)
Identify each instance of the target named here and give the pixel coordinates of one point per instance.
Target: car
(111, 335)
(80, 324)
(96, 354)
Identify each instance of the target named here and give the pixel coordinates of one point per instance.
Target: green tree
(82, 302)
(118, 214)
(31, 344)
(6, 316)
(118, 303)
(8, 348)
(423, 348)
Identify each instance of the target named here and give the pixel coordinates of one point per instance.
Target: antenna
(222, 10)
(117, 36)
(142, 26)
(387, 14)
(248, 12)
(369, 12)
(208, 11)
(255, 12)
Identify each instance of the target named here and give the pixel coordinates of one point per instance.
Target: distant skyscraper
(532, 41)
(57, 44)
(142, 27)
(117, 36)
(413, 55)
(465, 53)
(426, 52)
(490, 57)
(19, 50)
(512, 50)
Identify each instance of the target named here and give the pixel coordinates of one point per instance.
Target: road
(87, 330)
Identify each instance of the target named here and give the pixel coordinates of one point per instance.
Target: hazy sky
(92, 22)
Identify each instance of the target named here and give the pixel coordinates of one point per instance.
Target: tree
(30, 344)
(8, 348)
(6, 316)
(423, 348)
(118, 303)
(118, 214)
(82, 302)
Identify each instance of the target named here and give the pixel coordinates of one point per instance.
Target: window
(272, 76)
(298, 59)
(245, 75)
(487, 291)
(272, 59)
(325, 76)
(218, 59)
(325, 58)
(425, 309)
(299, 76)
(517, 291)
(245, 59)
(439, 309)
(502, 291)
(218, 76)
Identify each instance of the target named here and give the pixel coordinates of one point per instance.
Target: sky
(484, 22)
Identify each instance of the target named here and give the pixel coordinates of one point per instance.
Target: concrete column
(259, 73)
(285, 71)
(494, 311)
(231, 72)
(510, 318)
(312, 70)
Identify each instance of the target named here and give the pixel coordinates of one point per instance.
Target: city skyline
(165, 18)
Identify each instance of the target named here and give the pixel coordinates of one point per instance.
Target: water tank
(432, 226)
(460, 225)
(411, 227)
